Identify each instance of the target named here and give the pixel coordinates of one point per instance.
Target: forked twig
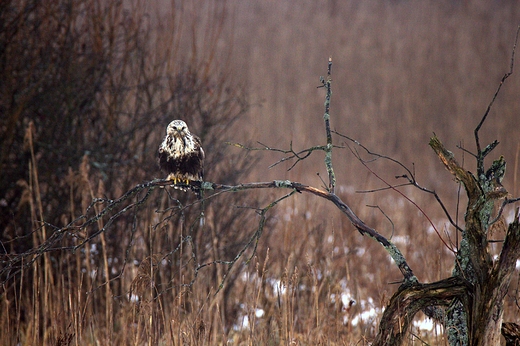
(297, 155)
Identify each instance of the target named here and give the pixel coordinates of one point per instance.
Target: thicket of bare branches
(88, 89)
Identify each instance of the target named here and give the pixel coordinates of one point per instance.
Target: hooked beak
(180, 135)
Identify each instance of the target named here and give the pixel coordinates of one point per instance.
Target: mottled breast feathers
(181, 154)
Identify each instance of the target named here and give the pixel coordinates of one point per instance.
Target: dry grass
(85, 93)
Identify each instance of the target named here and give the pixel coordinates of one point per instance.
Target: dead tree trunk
(474, 295)
(407, 301)
(482, 320)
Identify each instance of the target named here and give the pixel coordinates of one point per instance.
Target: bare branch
(363, 228)
(14, 263)
(505, 202)
(466, 150)
(386, 188)
(298, 155)
(412, 181)
(386, 216)
(376, 155)
(254, 238)
(482, 154)
(447, 158)
(326, 117)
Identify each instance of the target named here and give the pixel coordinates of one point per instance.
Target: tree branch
(298, 155)
(407, 301)
(12, 264)
(364, 229)
(410, 176)
(470, 183)
(326, 117)
(482, 154)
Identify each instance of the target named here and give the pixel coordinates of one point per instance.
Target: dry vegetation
(87, 89)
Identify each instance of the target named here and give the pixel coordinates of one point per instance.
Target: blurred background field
(88, 88)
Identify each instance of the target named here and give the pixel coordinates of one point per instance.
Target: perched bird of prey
(181, 154)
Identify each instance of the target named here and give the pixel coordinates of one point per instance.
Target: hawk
(181, 154)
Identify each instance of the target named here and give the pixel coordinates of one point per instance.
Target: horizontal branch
(13, 263)
(364, 229)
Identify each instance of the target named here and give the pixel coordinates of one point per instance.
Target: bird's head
(177, 128)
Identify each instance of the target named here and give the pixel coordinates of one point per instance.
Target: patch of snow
(278, 287)
(367, 316)
(428, 325)
(401, 239)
